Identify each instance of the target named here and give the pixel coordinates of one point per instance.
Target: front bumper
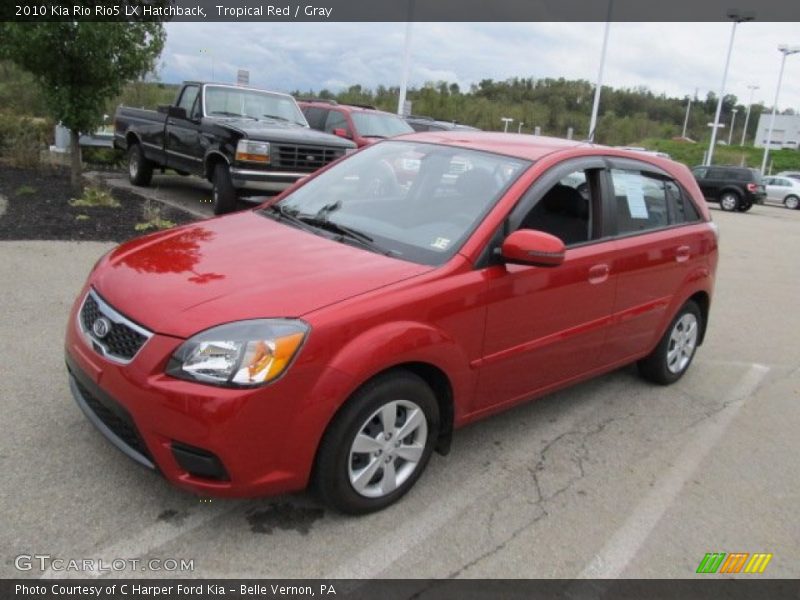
(265, 181)
(209, 440)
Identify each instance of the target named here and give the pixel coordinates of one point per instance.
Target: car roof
(347, 107)
(530, 147)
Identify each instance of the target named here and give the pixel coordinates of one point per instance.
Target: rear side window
(641, 201)
(717, 174)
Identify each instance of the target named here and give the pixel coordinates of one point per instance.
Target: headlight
(250, 151)
(245, 353)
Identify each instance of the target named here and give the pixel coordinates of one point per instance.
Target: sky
(671, 58)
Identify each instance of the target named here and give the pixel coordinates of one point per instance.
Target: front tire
(140, 169)
(729, 201)
(671, 358)
(223, 193)
(791, 202)
(378, 445)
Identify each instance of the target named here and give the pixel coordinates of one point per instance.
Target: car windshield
(380, 124)
(414, 201)
(222, 101)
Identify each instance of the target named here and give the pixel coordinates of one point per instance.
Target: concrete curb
(143, 193)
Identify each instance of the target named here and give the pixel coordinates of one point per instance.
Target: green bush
(23, 139)
(102, 157)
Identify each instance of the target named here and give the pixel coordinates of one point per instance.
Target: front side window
(336, 120)
(254, 104)
(381, 125)
(414, 201)
(564, 210)
(188, 98)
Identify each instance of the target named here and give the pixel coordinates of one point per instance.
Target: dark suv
(735, 188)
(358, 122)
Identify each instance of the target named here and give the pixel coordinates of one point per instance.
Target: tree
(80, 66)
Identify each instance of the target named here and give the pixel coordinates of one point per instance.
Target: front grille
(122, 341)
(117, 420)
(304, 158)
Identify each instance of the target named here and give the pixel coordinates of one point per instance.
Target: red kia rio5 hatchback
(337, 335)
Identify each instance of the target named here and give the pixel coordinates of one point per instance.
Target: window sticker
(631, 187)
(440, 243)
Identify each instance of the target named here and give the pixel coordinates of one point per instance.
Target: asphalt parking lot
(614, 477)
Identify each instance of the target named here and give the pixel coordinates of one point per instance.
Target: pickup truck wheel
(140, 170)
(791, 202)
(729, 201)
(223, 194)
(378, 445)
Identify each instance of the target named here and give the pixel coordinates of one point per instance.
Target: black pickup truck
(241, 139)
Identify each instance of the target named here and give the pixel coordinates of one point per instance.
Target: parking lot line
(622, 547)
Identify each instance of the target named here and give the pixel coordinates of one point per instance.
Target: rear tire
(729, 201)
(674, 353)
(361, 469)
(140, 169)
(791, 202)
(223, 193)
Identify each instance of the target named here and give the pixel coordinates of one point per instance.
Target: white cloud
(671, 58)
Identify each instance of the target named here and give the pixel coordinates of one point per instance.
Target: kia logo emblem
(101, 327)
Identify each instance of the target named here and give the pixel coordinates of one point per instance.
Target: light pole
(599, 85)
(519, 129)
(737, 18)
(401, 101)
(752, 89)
(785, 51)
(733, 120)
(506, 120)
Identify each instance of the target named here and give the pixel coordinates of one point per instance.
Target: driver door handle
(598, 273)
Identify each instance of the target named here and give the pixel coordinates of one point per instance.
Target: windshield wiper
(319, 221)
(277, 118)
(225, 113)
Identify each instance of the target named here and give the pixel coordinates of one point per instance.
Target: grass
(93, 196)
(82, 217)
(747, 156)
(153, 219)
(25, 190)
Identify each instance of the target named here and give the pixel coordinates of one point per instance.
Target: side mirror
(176, 112)
(531, 247)
(341, 132)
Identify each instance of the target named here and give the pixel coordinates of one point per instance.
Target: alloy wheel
(387, 449)
(682, 343)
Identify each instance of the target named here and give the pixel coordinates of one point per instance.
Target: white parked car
(783, 189)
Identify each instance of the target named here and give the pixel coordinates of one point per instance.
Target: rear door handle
(598, 273)
(683, 253)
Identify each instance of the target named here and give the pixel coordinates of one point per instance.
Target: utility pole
(733, 120)
(785, 51)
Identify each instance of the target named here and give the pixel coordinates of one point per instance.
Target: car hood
(281, 131)
(242, 266)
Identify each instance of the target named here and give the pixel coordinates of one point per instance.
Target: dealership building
(785, 132)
